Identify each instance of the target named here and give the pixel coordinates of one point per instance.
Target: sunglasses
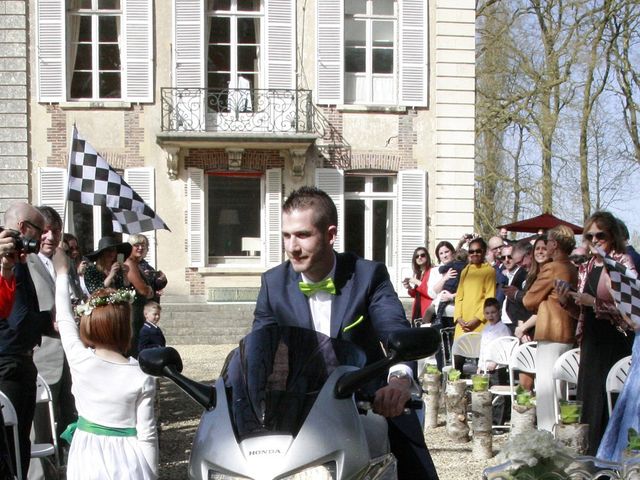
(578, 258)
(473, 252)
(421, 255)
(505, 257)
(598, 236)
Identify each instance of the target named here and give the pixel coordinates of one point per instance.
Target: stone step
(199, 323)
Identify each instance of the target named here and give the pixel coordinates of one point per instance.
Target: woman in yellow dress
(477, 283)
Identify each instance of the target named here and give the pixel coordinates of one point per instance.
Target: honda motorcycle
(289, 406)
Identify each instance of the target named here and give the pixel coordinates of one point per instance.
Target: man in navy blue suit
(347, 297)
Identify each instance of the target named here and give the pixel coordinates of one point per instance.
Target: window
(234, 215)
(233, 52)
(372, 52)
(369, 207)
(95, 52)
(369, 51)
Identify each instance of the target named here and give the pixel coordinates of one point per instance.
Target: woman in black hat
(107, 270)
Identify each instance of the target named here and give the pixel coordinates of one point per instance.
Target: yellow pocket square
(359, 320)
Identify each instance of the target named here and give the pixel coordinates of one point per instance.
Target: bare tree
(626, 21)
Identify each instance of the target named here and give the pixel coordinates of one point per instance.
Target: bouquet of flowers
(535, 455)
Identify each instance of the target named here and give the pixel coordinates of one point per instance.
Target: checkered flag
(92, 181)
(625, 288)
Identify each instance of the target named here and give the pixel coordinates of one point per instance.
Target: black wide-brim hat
(110, 242)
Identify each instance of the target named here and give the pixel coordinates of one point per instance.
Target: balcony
(234, 117)
(235, 110)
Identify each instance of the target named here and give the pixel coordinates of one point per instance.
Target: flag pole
(66, 191)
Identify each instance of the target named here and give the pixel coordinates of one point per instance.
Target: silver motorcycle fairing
(334, 431)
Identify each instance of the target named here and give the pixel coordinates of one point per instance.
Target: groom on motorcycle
(343, 296)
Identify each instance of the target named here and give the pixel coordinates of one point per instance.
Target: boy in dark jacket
(150, 334)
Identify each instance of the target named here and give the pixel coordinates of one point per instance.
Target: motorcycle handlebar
(365, 402)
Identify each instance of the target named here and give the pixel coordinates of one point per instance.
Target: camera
(468, 235)
(23, 244)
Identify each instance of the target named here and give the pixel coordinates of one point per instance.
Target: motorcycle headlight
(214, 475)
(319, 472)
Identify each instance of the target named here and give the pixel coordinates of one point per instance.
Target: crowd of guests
(548, 289)
(78, 320)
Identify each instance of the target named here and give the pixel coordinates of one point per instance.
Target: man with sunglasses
(20, 330)
(495, 246)
(515, 275)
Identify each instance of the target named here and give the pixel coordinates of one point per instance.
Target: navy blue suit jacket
(363, 288)
(150, 337)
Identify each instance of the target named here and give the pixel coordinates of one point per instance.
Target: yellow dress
(477, 283)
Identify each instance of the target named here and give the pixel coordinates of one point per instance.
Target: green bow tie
(325, 286)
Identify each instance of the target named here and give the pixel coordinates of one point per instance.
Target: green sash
(87, 426)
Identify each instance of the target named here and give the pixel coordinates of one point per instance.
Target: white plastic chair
(11, 420)
(41, 450)
(616, 378)
(500, 351)
(466, 345)
(565, 370)
(523, 360)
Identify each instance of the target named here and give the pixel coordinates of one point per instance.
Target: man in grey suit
(49, 358)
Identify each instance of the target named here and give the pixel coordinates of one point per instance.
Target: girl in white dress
(116, 436)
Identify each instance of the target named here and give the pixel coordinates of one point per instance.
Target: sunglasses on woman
(598, 236)
(421, 255)
(472, 252)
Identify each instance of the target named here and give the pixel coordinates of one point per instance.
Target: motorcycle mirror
(402, 346)
(153, 360)
(413, 344)
(166, 362)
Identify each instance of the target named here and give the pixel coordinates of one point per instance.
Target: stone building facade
(213, 110)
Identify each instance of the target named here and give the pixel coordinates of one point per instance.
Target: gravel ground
(179, 417)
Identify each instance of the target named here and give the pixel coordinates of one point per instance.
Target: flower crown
(120, 296)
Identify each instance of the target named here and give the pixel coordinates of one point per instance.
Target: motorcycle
(287, 406)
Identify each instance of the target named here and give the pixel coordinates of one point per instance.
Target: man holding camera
(20, 329)
(49, 358)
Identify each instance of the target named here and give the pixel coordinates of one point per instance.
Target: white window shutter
(51, 50)
(412, 219)
(331, 181)
(195, 217)
(413, 52)
(273, 206)
(138, 57)
(142, 180)
(52, 189)
(280, 44)
(188, 66)
(329, 54)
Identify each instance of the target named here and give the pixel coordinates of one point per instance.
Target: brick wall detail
(60, 129)
(407, 138)
(217, 160)
(195, 281)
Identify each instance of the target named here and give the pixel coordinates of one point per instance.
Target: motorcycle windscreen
(273, 378)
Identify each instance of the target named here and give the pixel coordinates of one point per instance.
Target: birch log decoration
(523, 419)
(432, 385)
(574, 436)
(481, 421)
(456, 406)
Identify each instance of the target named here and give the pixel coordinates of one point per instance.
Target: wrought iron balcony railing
(246, 111)
(235, 110)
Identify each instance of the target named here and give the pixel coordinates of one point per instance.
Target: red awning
(544, 222)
